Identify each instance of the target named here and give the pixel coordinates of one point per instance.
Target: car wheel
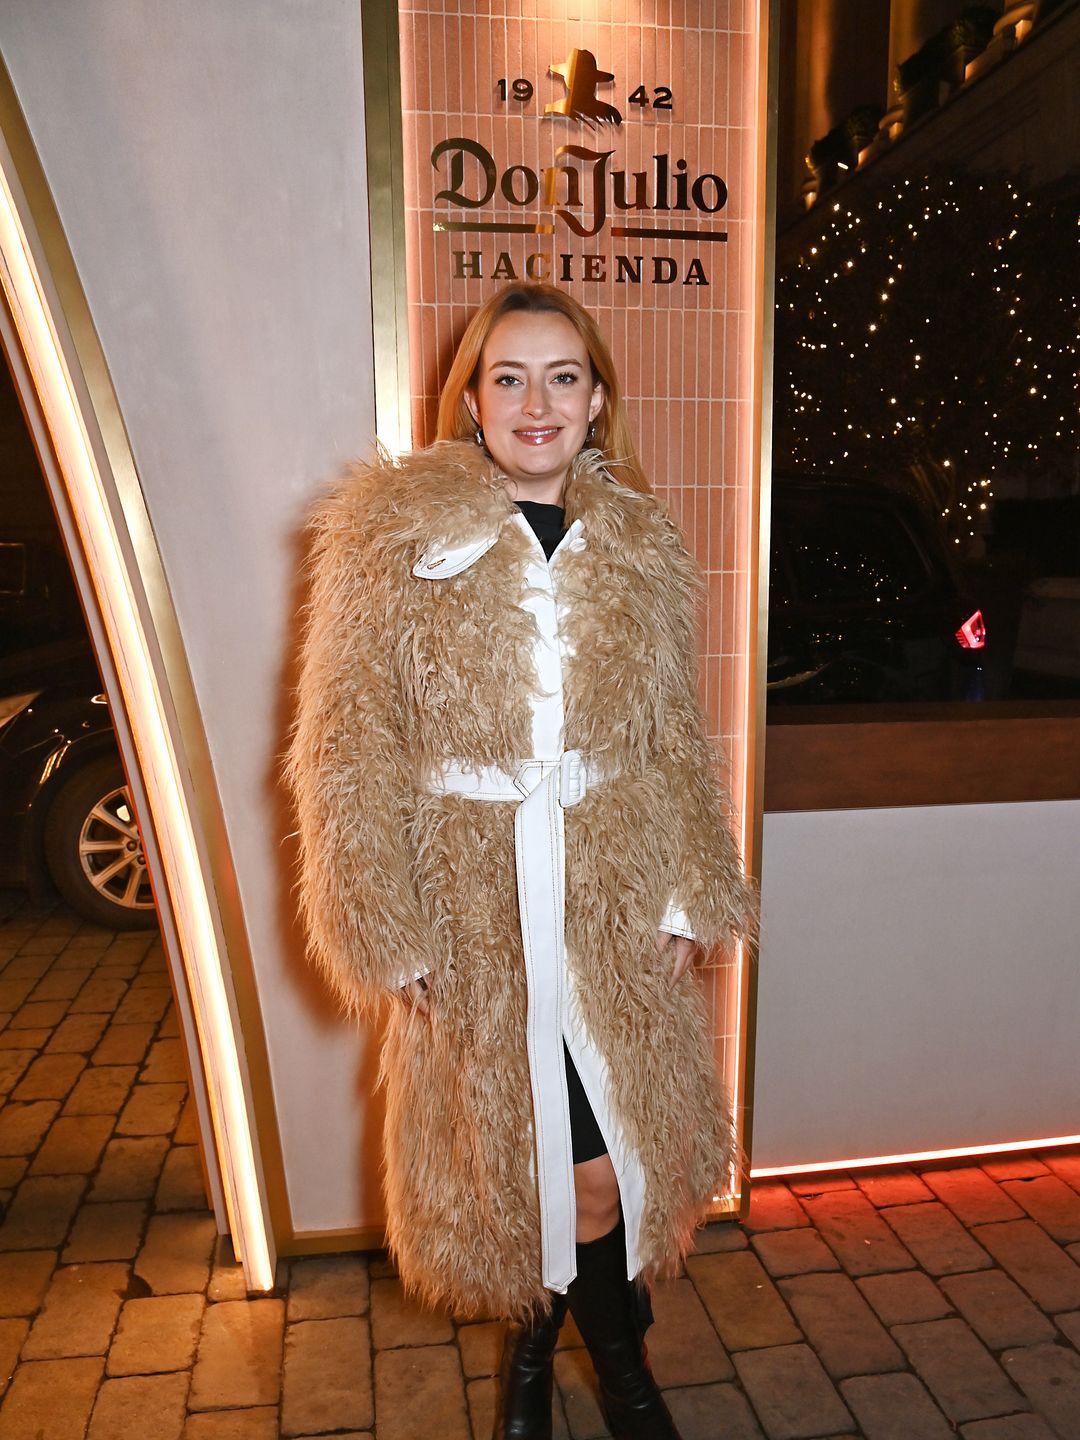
(94, 850)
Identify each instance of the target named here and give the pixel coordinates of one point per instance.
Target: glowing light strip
(1051, 1142)
(158, 763)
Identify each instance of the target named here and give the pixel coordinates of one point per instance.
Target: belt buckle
(572, 780)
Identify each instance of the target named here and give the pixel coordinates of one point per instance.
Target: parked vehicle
(65, 809)
(863, 602)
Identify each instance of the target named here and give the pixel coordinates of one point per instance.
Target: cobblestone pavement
(906, 1304)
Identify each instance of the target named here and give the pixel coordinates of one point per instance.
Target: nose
(536, 399)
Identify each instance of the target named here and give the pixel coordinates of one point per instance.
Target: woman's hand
(684, 953)
(415, 994)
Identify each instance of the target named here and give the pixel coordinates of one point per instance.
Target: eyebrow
(519, 365)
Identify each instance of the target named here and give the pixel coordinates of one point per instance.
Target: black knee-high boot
(524, 1405)
(606, 1309)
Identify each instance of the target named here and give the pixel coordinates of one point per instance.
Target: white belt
(544, 789)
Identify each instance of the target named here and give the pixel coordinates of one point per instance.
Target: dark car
(864, 605)
(65, 809)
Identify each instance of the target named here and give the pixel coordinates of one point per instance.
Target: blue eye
(506, 380)
(566, 377)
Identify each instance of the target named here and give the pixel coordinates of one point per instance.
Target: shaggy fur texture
(399, 673)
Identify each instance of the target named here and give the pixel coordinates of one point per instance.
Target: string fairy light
(948, 313)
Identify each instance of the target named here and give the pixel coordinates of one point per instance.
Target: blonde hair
(612, 430)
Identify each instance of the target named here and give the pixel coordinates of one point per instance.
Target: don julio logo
(581, 189)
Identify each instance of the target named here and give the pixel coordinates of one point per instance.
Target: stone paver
(50, 1077)
(24, 1279)
(421, 1391)
(156, 1334)
(152, 1110)
(108, 1231)
(239, 1361)
(971, 1195)
(481, 1397)
(175, 1257)
(258, 1424)
(820, 1184)
(683, 1346)
(774, 1207)
(181, 1184)
(720, 1237)
(73, 1146)
(397, 1320)
(1047, 1199)
(936, 1238)
(481, 1348)
(76, 1035)
(165, 1063)
(793, 1252)
(894, 1407)
(12, 1337)
(22, 1126)
(124, 1044)
(1049, 1375)
(856, 1233)
(892, 1185)
(130, 1169)
(791, 1393)
(322, 1287)
(705, 1412)
(324, 1388)
(905, 1297)
(50, 1398)
(1010, 1427)
(100, 1090)
(140, 1407)
(1065, 1164)
(1014, 1167)
(840, 1325)
(576, 1385)
(41, 1213)
(962, 1376)
(79, 1313)
(743, 1303)
(1022, 1248)
(997, 1309)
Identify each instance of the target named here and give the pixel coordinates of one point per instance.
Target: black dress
(548, 524)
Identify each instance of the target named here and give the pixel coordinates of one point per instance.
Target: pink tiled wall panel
(684, 351)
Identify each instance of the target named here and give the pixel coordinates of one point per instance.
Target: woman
(509, 818)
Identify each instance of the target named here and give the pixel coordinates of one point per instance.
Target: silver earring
(479, 437)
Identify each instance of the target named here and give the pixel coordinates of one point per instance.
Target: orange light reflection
(1051, 1142)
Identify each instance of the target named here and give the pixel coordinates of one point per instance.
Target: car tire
(94, 851)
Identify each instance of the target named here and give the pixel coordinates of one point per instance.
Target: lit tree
(931, 331)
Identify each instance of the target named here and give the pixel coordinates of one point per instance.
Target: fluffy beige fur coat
(398, 674)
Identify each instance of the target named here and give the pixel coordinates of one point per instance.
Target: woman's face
(533, 399)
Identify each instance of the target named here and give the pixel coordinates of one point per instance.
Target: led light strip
(1051, 1142)
(194, 916)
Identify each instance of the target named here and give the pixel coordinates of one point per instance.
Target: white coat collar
(441, 559)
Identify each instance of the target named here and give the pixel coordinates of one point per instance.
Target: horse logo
(581, 77)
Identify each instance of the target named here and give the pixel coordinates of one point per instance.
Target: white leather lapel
(439, 561)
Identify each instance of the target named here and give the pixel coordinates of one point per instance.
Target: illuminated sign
(587, 192)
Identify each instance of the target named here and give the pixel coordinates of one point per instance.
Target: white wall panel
(919, 985)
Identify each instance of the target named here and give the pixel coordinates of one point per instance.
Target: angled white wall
(208, 164)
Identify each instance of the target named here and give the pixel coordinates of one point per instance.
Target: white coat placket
(543, 784)
(555, 1012)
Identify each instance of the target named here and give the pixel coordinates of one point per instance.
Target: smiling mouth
(538, 436)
